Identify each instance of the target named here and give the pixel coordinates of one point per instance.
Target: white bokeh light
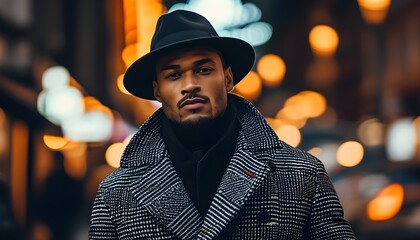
(93, 126)
(257, 33)
(327, 155)
(231, 18)
(56, 76)
(401, 140)
(62, 104)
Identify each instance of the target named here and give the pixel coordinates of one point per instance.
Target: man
(207, 165)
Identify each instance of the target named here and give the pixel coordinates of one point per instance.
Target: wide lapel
(162, 193)
(159, 190)
(244, 174)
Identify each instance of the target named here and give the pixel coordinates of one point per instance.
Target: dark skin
(192, 85)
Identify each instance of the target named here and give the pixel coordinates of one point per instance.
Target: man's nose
(190, 84)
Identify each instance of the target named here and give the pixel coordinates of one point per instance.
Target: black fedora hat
(182, 29)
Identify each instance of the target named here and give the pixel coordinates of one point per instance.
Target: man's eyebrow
(169, 67)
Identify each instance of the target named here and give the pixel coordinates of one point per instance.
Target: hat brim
(237, 54)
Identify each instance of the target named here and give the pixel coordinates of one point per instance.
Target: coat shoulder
(290, 158)
(119, 180)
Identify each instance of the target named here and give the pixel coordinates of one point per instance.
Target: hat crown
(179, 26)
(181, 30)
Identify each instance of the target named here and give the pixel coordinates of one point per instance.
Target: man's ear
(156, 91)
(229, 79)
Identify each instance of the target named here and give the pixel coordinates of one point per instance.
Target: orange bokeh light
(323, 40)
(130, 53)
(54, 142)
(374, 11)
(272, 69)
(250, 87)
(120, 85)
(306, 104)
(289, 134)
(350, 153)
(387, 203)
(113, 154)
(374, 4)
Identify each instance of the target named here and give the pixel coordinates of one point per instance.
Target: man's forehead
(189, 53)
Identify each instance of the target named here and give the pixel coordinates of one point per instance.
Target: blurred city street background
(337, 78)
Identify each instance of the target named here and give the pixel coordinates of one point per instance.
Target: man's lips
(193, 102)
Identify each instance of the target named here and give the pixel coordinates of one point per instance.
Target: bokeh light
(113, 154)
(272, 69)
(315, 103)
(401, 140)
(74, 150)
(231, 19)
(291, 115)
(56, 76)
(289, 134)
(54, 142)
(306, 104)
(387, 203)
(371, 132)
(327, 154)
(350, 153)
(63, 103)
(374, 11)
(323, 40)
(130, 15)
(130, 53)
(127, 139)
(91, 103)
(250, 87)
(316, 151)
(93, 126)
(257, 33)
(120, 84)
(374, 4)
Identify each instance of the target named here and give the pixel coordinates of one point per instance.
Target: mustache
(192, 95)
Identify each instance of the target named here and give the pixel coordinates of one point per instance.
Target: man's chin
(196, 122)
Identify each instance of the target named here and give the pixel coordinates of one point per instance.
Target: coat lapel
(246, 171)
(162, 193)
(243, 175)
(159, 190)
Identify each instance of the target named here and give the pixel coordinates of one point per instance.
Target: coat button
(264, 217)
(272, 166)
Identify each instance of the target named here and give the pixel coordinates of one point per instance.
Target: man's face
(192, 85)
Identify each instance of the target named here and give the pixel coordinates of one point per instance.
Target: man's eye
(173, 75)
(204, 70)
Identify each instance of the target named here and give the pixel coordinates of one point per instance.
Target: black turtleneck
(201, 153)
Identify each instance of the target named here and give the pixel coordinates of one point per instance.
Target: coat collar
(147, 145)
(162, 193)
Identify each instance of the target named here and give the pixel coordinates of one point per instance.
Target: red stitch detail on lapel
(249, 173)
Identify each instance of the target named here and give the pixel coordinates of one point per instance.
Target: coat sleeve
(327, 217)
(101, 226)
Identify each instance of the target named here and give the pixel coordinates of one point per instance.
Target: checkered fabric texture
(270, 190)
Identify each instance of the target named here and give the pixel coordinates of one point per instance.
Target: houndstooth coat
(269, 191)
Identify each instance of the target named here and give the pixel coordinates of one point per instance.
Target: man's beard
(200, 124)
